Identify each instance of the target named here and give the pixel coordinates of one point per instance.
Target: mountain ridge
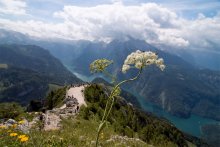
(30, 71)
(186, 86)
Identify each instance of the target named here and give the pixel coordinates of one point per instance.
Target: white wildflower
(154, 56)
(150, 61)
(138, 65)
(162, 67)
(138, 51)
(159, 61)
(125, 68)
(141, 59)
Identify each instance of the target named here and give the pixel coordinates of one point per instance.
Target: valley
(110, 73)
(191, 125)
(185, 95)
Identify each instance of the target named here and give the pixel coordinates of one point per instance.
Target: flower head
(140, 59)
(24, 139)
(125, 67)
(13, 134)
(21, 136)
(99, 65)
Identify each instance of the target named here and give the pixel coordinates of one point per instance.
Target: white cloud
(146, 21)
(16, 7)
(150, 21)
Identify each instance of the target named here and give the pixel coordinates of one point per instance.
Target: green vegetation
(126, 125)
(22, 85)
(131, 122)
(55, 98)
(31, 74)
(36, 59)
(75, 132)
(138, 60)
(10, 110)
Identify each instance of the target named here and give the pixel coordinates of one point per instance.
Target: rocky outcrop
(23, 125)
(74, 99)
(50, 120)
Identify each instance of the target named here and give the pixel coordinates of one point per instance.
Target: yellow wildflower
(24, 139)
(13, 134)
(21, 136)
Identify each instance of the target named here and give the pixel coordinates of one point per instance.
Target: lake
(191, 125)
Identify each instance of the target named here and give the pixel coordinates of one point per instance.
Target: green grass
(76, 132)
(80, 133)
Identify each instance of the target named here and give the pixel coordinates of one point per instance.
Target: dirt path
(74, 100)
(77, 92)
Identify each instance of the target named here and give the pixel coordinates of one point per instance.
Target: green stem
(107, 112)
(132, 79)
(99, 131)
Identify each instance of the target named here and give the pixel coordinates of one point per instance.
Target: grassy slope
(75, 132)
(81, 130)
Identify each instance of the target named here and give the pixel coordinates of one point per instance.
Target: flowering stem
(111, 97)
(132, 79)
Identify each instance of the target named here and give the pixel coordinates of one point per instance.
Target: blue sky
(44, 9)
(186, 8)
(176, 23)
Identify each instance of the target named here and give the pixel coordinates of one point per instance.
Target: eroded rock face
(51, 121)
(24, 127)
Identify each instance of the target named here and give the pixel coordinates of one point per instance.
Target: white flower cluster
(140, 59)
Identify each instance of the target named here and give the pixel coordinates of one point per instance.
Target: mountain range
(65, 50)
(184, 88)
(31, 67)
(30, 72)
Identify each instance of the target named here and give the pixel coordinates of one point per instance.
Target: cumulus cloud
(147, 21)
(151, 22)
(16, 7)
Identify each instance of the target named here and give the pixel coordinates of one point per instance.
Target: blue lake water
(191, 125)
